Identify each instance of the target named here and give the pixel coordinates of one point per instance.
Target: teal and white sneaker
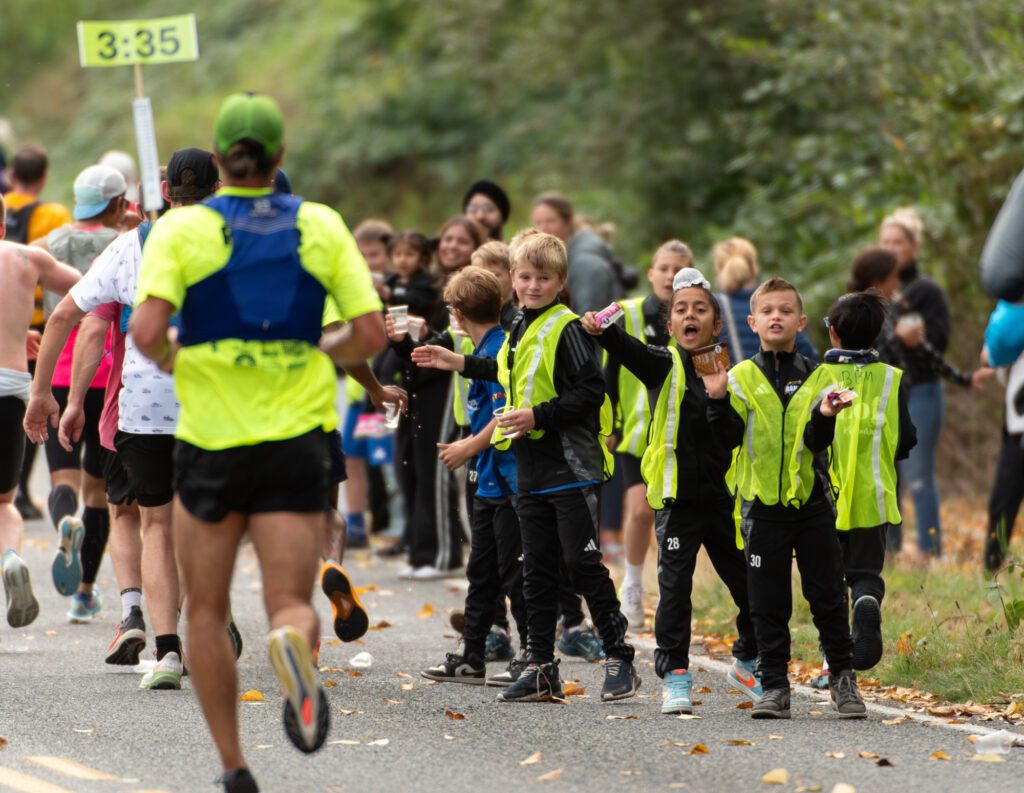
(581, 642)
(675, 692)
(67, 564)
(85, 606)
(166, 675)
(742, 675)
(22, 606)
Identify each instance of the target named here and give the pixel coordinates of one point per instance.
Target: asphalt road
(73, 724)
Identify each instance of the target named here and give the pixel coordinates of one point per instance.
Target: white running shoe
(632, 604)
(22, 606)
(431, 573)
(166, 675)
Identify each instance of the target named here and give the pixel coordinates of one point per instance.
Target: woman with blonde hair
(736, 272)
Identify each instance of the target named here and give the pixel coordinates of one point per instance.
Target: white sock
(634, 575)
(129, 598)
(824, 665)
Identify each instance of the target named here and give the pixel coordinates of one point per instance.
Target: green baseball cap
(248, 115)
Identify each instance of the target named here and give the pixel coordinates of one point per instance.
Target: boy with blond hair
(785, 400)
(554, 383)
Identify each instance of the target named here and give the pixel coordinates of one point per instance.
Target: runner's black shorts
(277, 476)
(630, 470)
(149, 462)
(12, 441)
(85, 453)
(338, 471)
(119, 490)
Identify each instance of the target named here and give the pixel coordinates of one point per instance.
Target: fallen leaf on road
(380, 742)
(533, 759)
(988, 758)
(3, 743)
(407, 686)
(835, 755)
(867, 755)
(362, 590)
(392, 701)
(699, 749)
(344, 742)
(449, 737)
(252, 695)
(704, 690)
(842, 787)
(809, 789)
(330, 683)
(84, 732)
(551, 776)
(573, 689)
(774, 737)
(353, 673)
(777, 776)
(51, 633)
(425, 612)
(677, 743)
(380, 625)
(884, 762)
(972, 739)
(738, 742)
(687, 717)
(451, 714)
(745, 705)
(938, 754)
(733, 691)
(632, 773)
(815, 713)
(347, 712)
(897, 720)
(403, 675)
(942, 712)
(621, 718)
(428, 682)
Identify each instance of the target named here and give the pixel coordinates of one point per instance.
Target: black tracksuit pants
(495, 569)
(557, 527)
(681, 530)
(863, 559)
(770, 547)
(1005, 499)
(432, 509)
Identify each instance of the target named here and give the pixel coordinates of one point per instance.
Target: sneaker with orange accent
(350, 618)
(129, 641)
(743, 675)
(306, 714)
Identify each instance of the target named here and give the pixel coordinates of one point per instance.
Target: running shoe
(235, 635)
(238, 781)
(22, 606)
(743, 675)
(774, 704)
(306, 714)
(620, 680)
(537, 683)
(85, 606)
(129, 641)
(675, 692)
(867, 632)
(350, 618)
(498, 645)
(457, 669)
(67, 564)
(431, 573)
(845, 695)
(632, 599)
(512, 673)
(166, 675)
(581, 642)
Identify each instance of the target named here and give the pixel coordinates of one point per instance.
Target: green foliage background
(798, 124)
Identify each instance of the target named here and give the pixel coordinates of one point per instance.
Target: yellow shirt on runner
(236, 392)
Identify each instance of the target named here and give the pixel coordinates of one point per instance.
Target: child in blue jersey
(495, 558)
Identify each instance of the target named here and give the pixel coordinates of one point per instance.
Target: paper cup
(391, 415)
(501, 413)
(400, 316)
(415, 325)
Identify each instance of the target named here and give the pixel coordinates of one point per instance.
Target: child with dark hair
(410, 282)
(870, 437)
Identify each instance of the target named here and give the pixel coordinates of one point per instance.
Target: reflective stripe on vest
(659, 461)
(863, 459)
(774, 468)
(633, 399)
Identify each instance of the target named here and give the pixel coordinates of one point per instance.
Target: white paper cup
(415, 325)
(400, 316)
(501, 413)
(391, 415)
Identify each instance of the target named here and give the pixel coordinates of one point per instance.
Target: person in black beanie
(487, 204)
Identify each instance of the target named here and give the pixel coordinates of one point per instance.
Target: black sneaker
(235, 636)
(537, 683)
(846, 696)
(458, 669)
(867, 632)
(511, 674)
(774, 704)
(620, 680)
(238, 781)
(129, 641)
